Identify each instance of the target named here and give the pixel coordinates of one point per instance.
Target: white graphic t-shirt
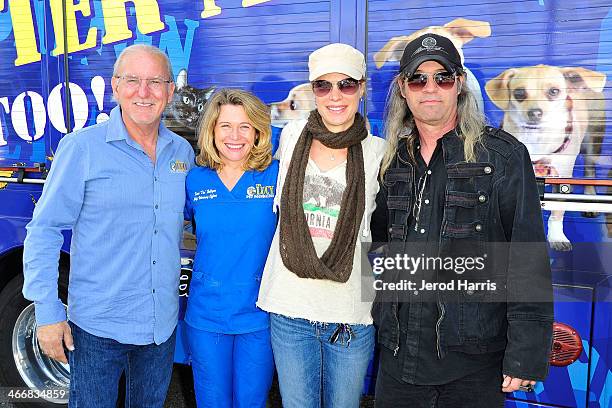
(322, 197)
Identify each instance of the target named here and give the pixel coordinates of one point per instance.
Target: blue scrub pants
(231, 370)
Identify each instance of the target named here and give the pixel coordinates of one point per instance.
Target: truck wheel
(22, 363)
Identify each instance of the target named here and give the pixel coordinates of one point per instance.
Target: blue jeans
(231, 370)
(96, 364)
(314, 372)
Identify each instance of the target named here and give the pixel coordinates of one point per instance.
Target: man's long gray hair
(399, 123)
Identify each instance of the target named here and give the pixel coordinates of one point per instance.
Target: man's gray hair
(399, 123)
(148, 49)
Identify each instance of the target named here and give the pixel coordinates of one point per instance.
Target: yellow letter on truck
(72, 33)
(115, 19)
(23, 28)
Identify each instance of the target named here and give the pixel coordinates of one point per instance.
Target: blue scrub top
(234, 230)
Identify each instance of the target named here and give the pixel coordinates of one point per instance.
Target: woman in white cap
(321, 327)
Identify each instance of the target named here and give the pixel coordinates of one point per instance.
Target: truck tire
(22, 364)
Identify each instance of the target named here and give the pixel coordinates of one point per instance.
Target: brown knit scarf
(296, 247)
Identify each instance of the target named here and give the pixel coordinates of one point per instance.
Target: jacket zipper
(397, 338)
(438, 329)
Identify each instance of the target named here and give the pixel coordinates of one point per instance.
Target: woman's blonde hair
(260, 155)
(399, 123)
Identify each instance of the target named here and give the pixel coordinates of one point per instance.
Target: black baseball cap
(430, 47)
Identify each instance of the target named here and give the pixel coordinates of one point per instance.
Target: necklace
(419, 189)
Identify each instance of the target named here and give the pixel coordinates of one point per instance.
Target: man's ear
(460, 80)
(114, 83)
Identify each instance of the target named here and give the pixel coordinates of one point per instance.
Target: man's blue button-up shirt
(126, 217)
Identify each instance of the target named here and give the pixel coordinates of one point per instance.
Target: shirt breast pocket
(173, 193)
(467, 196)
(110, 192)
(470, 177)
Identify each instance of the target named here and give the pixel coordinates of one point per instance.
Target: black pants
(478, 390)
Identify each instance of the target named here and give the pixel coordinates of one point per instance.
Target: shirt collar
(452, 143)
(116, 130)
(437, 151)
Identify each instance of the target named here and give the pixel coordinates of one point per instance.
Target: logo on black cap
(429, 44)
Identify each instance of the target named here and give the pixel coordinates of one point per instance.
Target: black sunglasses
(347, 86)
(417, 81)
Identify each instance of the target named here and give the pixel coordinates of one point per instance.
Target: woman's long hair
(399, 123)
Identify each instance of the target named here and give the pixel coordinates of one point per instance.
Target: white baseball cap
(337, 57)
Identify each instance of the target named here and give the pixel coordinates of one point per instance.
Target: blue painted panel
(524, 404)
(600, 391)
(523, 34)
(568, 385)
(25, 88)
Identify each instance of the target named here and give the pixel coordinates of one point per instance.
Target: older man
(454, 186)
(119, 187)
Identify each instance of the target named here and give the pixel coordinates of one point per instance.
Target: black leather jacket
(494, 199)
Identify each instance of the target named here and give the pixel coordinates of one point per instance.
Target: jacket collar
(402, 147)
(452, 147)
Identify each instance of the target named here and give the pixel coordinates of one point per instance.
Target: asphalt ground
(181, 394)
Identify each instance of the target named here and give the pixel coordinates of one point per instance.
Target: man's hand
(516, 384)
(53, 337)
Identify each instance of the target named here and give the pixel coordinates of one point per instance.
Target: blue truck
(541, 69)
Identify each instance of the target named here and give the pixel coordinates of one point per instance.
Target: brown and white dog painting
(460, 31)
(297, 105)
(556, 112)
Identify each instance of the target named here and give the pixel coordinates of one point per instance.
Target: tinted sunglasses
(347, 86)
(417, 81)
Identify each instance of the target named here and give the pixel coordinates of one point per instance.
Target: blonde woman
(229, 199)
(321, 327)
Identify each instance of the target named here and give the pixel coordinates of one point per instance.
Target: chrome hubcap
(38, 371)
